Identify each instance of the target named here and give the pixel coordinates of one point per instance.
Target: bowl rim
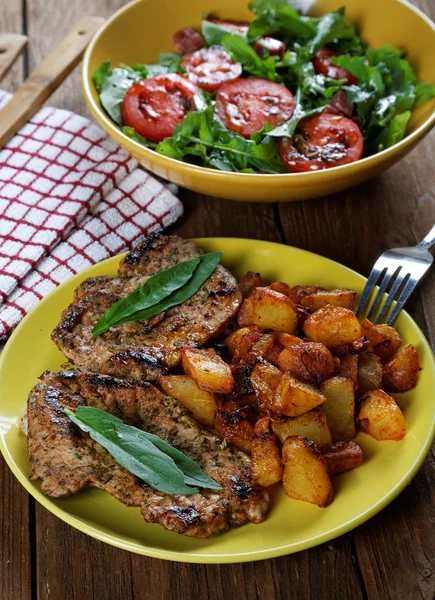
(98, 533)
(302, 178)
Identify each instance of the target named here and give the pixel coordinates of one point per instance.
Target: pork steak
(67, 460)
(147, 348)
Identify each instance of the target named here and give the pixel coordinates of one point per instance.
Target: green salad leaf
(113, 85)
(245, 54)
(145, 455)
(213, 33)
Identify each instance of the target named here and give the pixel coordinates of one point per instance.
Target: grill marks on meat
(67, 460)
(145, 349)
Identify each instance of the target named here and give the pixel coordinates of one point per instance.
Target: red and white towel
(69, 198)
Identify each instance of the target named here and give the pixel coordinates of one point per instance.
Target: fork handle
(428, 241)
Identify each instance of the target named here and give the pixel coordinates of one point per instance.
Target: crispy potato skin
(341, 298)
(311, 425)
(208, 370)
(287, 340)
(269, 310)
(343, 456)
(183, 388)
(265, 379)
(400, 373)
(339, 407)
(369, 372)
(381, 417)
(349, 367)
(249, 283)
(384, 339)
(284, 288)
(310, 361)
(232, 423)
(332, 326)
(266, 465)
(305, 472)
(232, 341)
(293, 398)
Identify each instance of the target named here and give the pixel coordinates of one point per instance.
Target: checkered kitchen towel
(69, 198)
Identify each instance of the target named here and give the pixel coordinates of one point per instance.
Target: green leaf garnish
(160, 292)
(145, 455)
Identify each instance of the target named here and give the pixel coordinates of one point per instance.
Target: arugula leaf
(153, 291)
(131, 133)
(242, 52)
(145, 455)
(213, 33)
(131, 449)
(114, 85)
(424, 92)
(100, 74)
(330, 27)
(288, 128)
(277, 16)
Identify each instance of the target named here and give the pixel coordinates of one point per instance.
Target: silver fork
(400, 268)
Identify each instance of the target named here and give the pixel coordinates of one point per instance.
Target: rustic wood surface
(390, 557)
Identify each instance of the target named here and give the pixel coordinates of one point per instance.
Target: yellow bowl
(291, 525)
(142, 29)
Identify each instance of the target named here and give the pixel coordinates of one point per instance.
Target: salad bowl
(144, 28)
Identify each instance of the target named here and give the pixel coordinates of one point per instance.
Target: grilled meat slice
(67, 460)
(145, 349)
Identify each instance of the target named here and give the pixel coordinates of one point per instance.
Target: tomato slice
(231, 25)
(210, 67)
(323, 66)
(273, 46)
(155, 106)
(245, 104)
(321, 142)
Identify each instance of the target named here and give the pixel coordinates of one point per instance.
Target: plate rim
(204, 558)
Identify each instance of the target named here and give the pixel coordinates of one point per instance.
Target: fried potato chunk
(369, 372)
(305, 472)
(287, 340)
(249, 283)
(293, 398)
(349, 367)
(311, 425)
(311, 361)
(266, 465)
(232, 423)
(183, 388)
(265, 379)
(332, 326)
(384, 339)
(381, 417)
(400, 373)
(284, 288)
(269, 310)
(343, 456)
(208, 370)
(339, 407)
(232, 342)
(340, 297)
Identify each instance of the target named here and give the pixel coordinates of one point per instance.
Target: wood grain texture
(11, 46)
(392, 556)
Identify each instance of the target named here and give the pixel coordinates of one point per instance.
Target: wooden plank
(46, 77)
(11, 46)
(15, 525)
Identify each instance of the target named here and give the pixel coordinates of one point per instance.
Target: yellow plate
(139, 31)
(292, 525)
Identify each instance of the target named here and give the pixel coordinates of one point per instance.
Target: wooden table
(391, 556)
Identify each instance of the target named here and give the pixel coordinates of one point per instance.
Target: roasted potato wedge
(305, 474)
(293, 398)
(307, 290)
(266, 465)
(381, 417)
(311, 362)
(384, 339)
(269, 310)
(332, 326)
(339, 407)
(183, 388)
(249, 283)
(208, 370)
(284, 288)
(242, 381)
(233, 424)
(311, 425)
(343, 456)
(342, 298)
(400, 373)
(349, 367)
(287, 340)
(369, 372)
(265, 379)
(232, 342)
